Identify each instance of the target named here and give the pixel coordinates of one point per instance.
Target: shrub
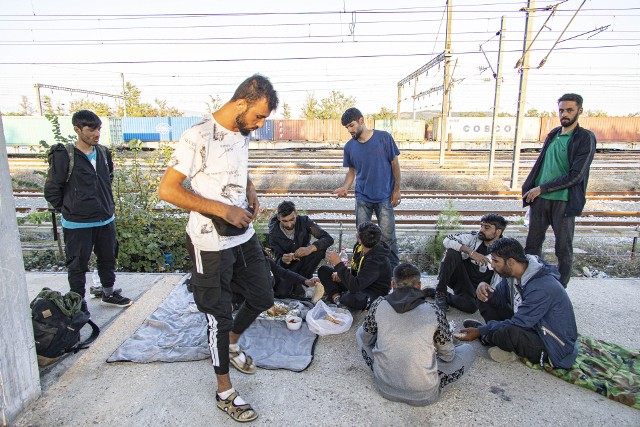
(431, 253)
(145, 233)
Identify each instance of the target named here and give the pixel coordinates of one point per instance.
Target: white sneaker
(501, 356)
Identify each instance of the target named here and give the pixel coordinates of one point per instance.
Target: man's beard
(483, 237)
(357, 134)
(242, 125)
(570, 122)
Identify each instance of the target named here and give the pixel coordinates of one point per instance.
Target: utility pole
(124, 98)
(447, 85)
(496, 99)
(38, 99)
(524, 74)
(415, 91)
(399, 100)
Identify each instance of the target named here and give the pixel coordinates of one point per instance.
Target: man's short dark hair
(84, 118)
(406, 274)
(256, 88)
(496, 220)
(507, 248)
(286, 208)
(352, 114)
(369, 234)
(571, 97)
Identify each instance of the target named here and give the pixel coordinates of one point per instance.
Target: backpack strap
(72, 159)
(85, 344)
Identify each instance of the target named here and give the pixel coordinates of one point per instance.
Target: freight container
(146, 129)
(265, 133)
(478, 129)
(26, 132)
(608, 130)
(178, 126)
(403, 130)
(116, 137)
(334, 131)
(298, 130)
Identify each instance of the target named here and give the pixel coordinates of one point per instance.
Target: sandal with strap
(248, 367)
(241, 413)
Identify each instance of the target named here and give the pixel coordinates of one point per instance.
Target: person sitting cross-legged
(543, 326)
(369, 276)
(407, 343)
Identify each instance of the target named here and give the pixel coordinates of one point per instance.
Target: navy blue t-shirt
(372, 162)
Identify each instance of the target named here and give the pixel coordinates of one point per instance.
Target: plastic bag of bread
(325, 320)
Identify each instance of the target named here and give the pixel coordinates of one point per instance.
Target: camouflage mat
(608, 369)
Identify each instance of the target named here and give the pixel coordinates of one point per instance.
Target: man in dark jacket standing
(557, 184)
(290, 240)
(85, 198)
(369, 276)
(542, 327)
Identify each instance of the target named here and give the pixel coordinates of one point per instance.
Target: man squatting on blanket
(214, 155)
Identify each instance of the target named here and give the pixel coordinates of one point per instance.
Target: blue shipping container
(180, 124)
(265, 133)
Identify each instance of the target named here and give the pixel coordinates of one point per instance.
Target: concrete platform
(336, 390)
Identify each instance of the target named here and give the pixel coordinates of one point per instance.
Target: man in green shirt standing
(557, 184)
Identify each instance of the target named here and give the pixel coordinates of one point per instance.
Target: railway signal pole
(524, 75)
(446, 84)
(496, 100)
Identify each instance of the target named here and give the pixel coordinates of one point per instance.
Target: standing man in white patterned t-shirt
(226, 254)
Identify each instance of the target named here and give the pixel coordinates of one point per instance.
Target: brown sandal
(241, 413)
(248, 367)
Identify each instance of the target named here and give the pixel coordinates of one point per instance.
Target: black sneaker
(117, 299)
(429, 292)
(441, 301)
(97, 292)
(471, 323)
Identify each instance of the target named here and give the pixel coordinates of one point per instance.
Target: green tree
(165, 111)
(473, 114)
(309, 109)
(333, 106)
(214, 104)
(286, 111)
(549, 114)
(135, 108)
(532, 112)
(100, 108)
(383, 114)
(595, 113)
(505, 115)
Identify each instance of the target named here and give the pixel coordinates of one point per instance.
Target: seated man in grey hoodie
(407, 343)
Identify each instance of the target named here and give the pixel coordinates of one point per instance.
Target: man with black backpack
(79, 185)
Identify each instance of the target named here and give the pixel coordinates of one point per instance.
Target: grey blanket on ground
(177, 332)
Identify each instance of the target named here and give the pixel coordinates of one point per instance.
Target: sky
(183, 52)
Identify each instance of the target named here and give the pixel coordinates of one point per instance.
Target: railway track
(406, 194)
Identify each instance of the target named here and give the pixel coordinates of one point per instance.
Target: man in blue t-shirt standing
(372, 159)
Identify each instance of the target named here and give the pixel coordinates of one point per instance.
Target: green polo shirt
(554, 165)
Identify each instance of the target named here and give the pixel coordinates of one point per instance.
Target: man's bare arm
(348, 180)
(395, 169)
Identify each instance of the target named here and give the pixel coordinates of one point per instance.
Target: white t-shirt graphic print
(215, 160)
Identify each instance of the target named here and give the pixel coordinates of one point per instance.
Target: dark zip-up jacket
(304, 229)
(580, 151)
(545, 308)
(374, 275)
(87, 196)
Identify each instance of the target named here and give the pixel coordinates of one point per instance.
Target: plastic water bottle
(344, 257)
(96, 278)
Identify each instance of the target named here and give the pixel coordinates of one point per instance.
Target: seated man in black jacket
(290, 240)
(369, 276)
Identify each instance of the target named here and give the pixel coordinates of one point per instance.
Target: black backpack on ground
(57, 321)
